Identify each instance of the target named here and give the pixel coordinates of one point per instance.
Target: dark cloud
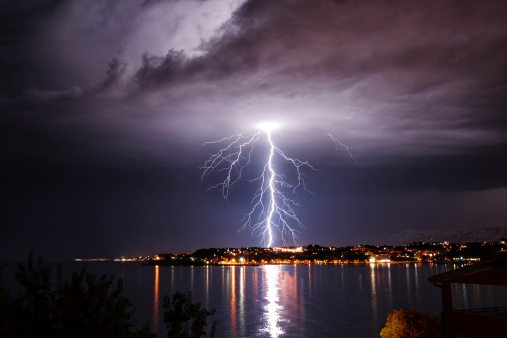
(417, 91)
(392, 80)
(414, 79)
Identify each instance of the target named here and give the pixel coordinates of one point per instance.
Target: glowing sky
(105, 106)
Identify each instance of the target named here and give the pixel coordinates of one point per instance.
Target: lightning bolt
(272, 208)
(339, 145)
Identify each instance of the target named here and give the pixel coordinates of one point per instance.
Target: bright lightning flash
(272, 209)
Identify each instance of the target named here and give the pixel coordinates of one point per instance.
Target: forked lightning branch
(273, 207)
(272, 213)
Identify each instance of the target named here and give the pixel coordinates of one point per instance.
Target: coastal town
(416, 252)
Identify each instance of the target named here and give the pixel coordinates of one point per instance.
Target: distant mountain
(489, 234)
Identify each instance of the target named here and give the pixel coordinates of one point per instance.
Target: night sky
(105, 106)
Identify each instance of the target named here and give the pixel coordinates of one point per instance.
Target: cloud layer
(417, 91)
(391, 80)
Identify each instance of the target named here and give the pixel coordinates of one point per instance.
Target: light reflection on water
(473, 296)
(272, 316)
(242, 299)
(287, 301)
(156, 305)
(373, 289)
(232, 282)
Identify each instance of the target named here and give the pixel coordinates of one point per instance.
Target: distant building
(380, 258)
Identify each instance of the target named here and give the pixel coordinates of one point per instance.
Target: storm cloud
(417, 91)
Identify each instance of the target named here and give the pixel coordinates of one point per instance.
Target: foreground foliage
(82, 306)
(185, 319)
(85, 306)
(411, 324)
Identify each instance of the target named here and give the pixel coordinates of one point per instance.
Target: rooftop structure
(480, 322)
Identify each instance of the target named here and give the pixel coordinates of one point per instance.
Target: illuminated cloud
(99, 89)
(391, 80)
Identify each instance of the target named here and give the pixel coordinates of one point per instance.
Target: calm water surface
(283, 300)
(289, 300)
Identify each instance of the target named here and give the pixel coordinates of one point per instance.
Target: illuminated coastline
(314, 254)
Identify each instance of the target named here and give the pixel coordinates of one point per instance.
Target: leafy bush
(183, 318)
(83, 306)
(411, 324)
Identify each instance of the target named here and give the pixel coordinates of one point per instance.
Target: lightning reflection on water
(272, 316)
